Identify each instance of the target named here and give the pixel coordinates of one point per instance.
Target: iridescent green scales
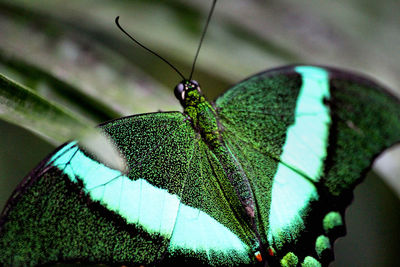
(310, 262)
(289, 260)
(331, 221)
(257, 116)
(262, 175)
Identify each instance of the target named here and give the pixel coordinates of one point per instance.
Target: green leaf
(22, 106)
(69, 64)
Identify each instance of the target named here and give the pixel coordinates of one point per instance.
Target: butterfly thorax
(200, 112)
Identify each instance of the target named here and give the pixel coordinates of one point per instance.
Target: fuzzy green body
(204, 119)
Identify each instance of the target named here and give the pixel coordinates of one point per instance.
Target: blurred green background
(72, 54)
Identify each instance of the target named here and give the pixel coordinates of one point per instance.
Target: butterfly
(260, 176)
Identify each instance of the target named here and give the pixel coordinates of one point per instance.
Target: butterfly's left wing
(174, 204)
(305, 136)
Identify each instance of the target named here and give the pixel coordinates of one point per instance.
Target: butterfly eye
(195, 83)
(180, 91)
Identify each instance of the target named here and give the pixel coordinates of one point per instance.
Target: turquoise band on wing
(303, 155)
(154, 209)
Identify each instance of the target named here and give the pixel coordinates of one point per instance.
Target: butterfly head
(188, 92)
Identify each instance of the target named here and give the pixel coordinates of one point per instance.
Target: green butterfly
(259, 177)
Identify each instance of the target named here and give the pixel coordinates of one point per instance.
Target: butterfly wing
(305, 135)
(170, 207)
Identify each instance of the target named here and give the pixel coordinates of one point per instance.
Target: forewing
(169, 208)
(305, 136)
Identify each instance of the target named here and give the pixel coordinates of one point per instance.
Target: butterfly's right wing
(174, 204)
(305, 136)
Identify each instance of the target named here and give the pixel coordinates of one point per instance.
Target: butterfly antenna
(151, 51)
(202, 37)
